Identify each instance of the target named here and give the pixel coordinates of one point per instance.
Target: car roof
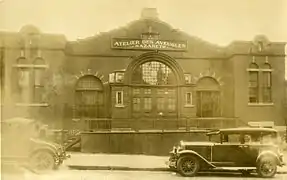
(244, 129)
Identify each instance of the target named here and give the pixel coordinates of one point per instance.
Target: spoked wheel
(188, 166)
(267, 167)
(42, 161)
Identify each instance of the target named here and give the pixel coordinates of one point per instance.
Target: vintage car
(241, 149)
(22, 145)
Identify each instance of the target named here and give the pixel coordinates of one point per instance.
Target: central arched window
(154, 91)
(153, 73)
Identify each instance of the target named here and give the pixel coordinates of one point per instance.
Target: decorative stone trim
(30, 66)
(32, 104)
(211, 74)
(89, 72)
(189, 106)
(261, 104)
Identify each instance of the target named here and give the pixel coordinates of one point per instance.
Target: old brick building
(143, 75)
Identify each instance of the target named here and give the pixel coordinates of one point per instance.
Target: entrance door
(89, 104)
(154, 102)
(208, 104)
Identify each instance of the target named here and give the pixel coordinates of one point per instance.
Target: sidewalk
(86, 161)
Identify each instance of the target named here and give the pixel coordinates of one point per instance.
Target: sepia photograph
(143, 89)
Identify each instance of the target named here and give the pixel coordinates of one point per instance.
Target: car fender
(268, 153)
(48, 149)
(190, 152)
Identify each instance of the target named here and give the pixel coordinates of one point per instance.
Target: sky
(216, 21)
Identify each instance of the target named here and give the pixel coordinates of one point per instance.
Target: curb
(123, 168)
(120, 168)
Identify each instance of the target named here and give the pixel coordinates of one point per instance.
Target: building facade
(145, 74)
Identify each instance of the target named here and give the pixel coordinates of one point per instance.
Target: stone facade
(61, 82)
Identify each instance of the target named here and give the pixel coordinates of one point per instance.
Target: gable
(103, 43)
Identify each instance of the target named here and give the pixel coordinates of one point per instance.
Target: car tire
(42, 161)
(267, 167)
(188, 166)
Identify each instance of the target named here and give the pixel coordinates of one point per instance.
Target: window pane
(253, 95)
(147, 91)
(39, 94)
(266, 94)
(24, 78)
(171, 92)
(171, 104)
(24, 85)
(188, 98)
(119, 97)
(136, 104)
(160, 91)
(267, 79)
(136, 91)
(38, 74)
(253, 79)
(160, 104)
(147, 104)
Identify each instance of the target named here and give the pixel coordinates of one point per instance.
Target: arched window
(154, 92)
(208, 98)
(89, 97)
(153, 73)
(253, 83)
(266, 83)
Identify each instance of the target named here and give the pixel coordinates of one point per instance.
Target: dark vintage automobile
(21, 144)
(241, 149)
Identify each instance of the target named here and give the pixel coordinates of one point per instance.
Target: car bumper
(61, 157)
(281, 161)
(172, 160)
(171, 164)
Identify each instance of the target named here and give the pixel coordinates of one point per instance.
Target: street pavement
(86, 161)
(131, 167)
(66, 174)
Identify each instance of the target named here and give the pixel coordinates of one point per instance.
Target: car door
(231, 153)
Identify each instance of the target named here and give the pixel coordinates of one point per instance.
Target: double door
(154, 102)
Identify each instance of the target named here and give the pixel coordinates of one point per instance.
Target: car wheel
(42, 161)
(267, 167)
(188, 165)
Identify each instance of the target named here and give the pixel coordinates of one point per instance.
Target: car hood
(196, 143)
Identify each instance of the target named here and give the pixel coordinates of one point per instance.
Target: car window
(215, 138)
(267, 139)
(234, 138)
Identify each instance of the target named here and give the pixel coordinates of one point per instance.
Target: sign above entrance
(152, 44)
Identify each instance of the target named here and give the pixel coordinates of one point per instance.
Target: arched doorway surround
(208, 101)
(154, 79)
(89, 97)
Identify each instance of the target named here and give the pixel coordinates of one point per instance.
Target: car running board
(235, 168)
